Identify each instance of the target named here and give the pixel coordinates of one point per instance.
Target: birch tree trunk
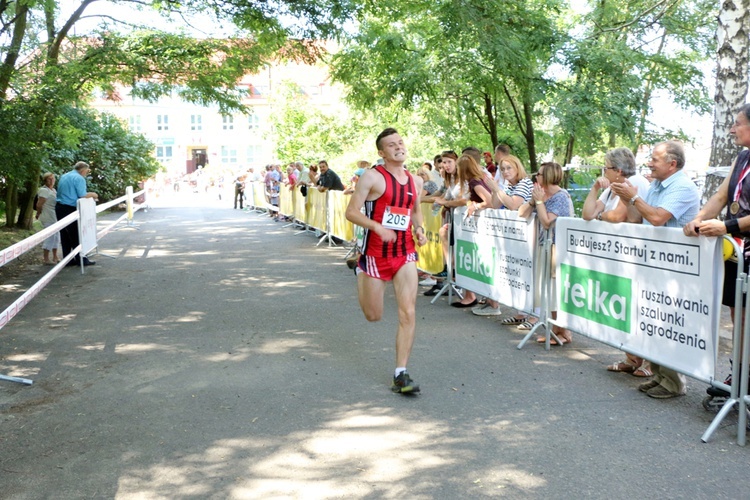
(733, 40)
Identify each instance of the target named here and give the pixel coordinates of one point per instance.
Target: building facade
(189, 136)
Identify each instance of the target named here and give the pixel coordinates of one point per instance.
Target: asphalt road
(221, 355)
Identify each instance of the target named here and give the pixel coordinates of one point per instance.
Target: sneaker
(645, 387)
(404, 384)
(428, 281)
(486, 310)
(661, 392)
(441, 274)
(434, 290)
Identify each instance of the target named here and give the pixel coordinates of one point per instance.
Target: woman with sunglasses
(619, 164)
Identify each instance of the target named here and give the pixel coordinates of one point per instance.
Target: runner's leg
(371, 291)
(405, 282)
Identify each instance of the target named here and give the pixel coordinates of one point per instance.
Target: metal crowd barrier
(738, 391)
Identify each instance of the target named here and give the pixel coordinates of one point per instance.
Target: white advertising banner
(650, 290)
(494, 256)
(87, 225)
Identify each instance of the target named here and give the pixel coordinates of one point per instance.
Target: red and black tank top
(395, 195)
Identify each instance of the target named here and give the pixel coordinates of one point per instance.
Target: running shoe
(428, 281)
(486, 310)
(404, 384)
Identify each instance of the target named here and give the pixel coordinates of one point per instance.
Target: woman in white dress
(45, 212)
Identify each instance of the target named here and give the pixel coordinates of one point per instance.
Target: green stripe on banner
(475, 262)
(599, 297)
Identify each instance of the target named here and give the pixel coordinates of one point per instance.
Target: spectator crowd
(478, 180)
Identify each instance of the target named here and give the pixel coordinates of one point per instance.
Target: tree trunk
(11, 204)
(489, 111)
(645, 103)
(731, 77)
(9, 64)
(528, 109)
(569, 147)
(26, 205)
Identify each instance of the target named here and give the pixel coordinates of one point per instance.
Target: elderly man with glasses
(672, 201)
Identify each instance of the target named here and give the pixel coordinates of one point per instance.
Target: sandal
(512, 320)
(552, 341)
(642, 372)
(526, 325)
(621, 367)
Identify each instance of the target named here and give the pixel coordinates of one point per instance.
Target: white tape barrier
(11, 311)
(15, 251)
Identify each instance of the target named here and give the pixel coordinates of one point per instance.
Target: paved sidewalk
(223, 356)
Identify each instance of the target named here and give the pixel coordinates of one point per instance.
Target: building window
(253, 121)
(134, 123)
(228, 122)
(228, 155)
(164, 153)
(196, 122)
(254, 154)
(162, 122)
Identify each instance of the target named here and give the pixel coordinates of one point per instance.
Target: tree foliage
(305, 133)
(118, 157)
(462, 63)
(42, 57)
(533, 74)
(617, 57)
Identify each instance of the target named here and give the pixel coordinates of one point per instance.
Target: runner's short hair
(384, 133)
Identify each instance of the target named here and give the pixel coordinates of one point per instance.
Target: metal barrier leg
(539, 324)
(322, 239)
(739, 351)
(16, 379)
(545, 293)
(717, 420)
(744, 375)
(451, 288)
(450, 285)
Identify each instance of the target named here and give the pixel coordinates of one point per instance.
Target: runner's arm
(416, 216)
(354, 213)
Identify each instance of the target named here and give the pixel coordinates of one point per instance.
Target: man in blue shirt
(672, 201)
(70, 188)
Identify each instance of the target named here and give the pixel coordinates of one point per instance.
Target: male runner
(390, 195)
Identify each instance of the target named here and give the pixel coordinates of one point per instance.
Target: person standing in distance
(390, 196)
(70, 188)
